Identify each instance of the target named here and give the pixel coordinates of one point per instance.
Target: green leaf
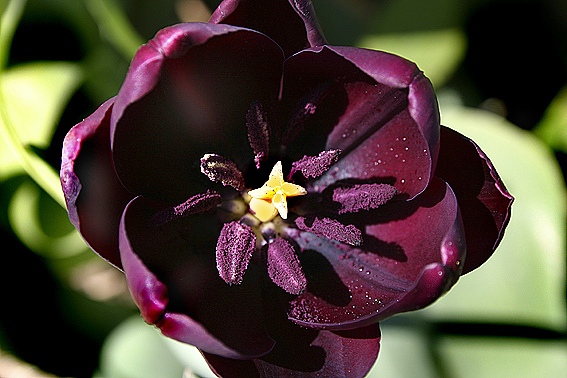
(552, 128)
(136, 350)
(114, 26)
(190, 357)
(36, 95)
(473, 357)
(24, 216)
(414, 15)
(524, 281)
(404, 353)
(32, 98)
(437, 53)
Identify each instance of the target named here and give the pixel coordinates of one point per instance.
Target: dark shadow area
(293, 348)
(322, 279)
(392, 251)
(503, 330)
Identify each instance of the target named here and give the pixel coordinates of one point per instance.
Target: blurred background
(500, 71)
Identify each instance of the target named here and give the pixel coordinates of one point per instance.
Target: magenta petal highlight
(484, 200)
(94, 195)
(372, 113)
(284, 267)
(150, 295)
(235, 246)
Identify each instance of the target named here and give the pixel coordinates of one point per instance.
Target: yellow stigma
(271, 198)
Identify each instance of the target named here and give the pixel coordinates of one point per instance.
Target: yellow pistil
(271, 198)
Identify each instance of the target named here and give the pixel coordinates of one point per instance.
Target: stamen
(363, 197)
(258, 132)
(220, 169)
(197, 204)
(271, 197)
(314, 166)
(332, 229)
(284, 267)
(235, 246)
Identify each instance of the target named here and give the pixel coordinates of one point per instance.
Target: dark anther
(220, 169)
(197, 204)
(258, 132)
(304, 110)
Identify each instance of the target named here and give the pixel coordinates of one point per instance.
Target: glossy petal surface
(370, 113)
(485, 203)
(171, 271)
(177, 167)
(180, 103)
(404, 263)
(301, 31)
(303, 352)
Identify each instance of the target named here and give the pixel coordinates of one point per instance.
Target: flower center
(271, 198)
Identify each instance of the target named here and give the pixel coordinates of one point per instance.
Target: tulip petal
(405, 262)
(309, 354)
(301, 31)
(186, 95)
(380, 113)
(484, 201)
(397, 72)
(172, 275)
(95, 198)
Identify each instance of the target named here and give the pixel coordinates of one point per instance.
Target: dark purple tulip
(271, 198)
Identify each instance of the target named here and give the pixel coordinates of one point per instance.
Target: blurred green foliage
(60, 59)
